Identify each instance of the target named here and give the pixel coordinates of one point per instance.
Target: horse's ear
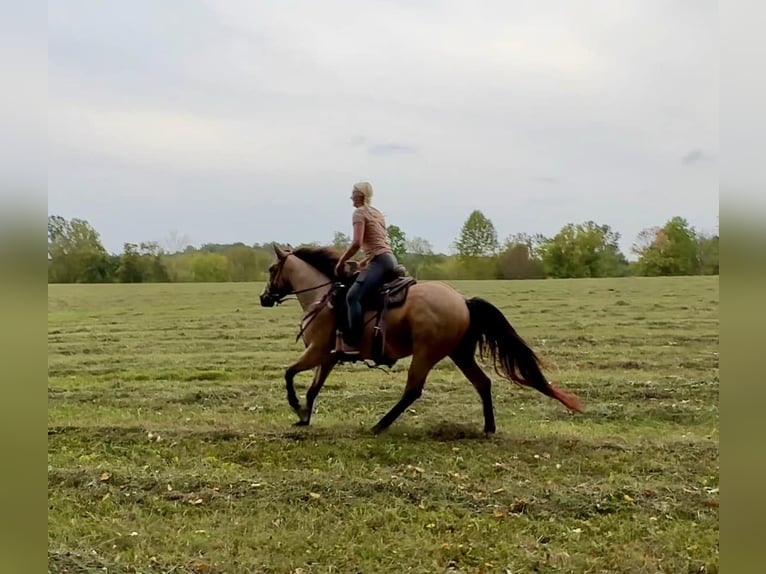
(279, 251)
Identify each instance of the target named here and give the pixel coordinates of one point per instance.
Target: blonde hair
(365, 188)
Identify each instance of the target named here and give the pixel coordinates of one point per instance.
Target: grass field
(171, 446)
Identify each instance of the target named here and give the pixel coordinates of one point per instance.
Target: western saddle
(390, 295)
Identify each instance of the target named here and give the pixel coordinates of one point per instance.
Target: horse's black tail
(511, 356)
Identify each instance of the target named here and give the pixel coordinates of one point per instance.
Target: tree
(648, 246)
(131, 266)
(419, 253)
(670, 250)
(58, 236)
(243, 263)
(584, 250)
(153, 257)
(418, 246)
(708, 254)
(142, 263)
(175, 243)
(534, 242)
(398, 241)
(340, 240)
(478, 237)
(75, 252)
(519, 259)
(210, 267)
(684, 248)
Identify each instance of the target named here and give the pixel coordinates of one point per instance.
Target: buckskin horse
(428, 321)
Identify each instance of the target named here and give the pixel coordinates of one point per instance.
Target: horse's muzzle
(267, 300)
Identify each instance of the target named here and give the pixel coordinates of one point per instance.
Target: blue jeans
(369, 279)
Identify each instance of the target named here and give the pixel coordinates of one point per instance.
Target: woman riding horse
(433, 322)
(371, 235)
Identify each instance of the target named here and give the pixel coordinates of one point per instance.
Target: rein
(314, 312)
(299, 291)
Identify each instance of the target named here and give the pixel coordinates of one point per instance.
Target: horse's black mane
(324, 259)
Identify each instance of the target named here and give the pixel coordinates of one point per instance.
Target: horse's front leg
(320, 376)
(309, 359)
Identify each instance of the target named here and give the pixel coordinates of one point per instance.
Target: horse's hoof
(377, 429)
(301, 424)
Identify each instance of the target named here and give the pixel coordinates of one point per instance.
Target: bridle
(281, 297)
(314, 311)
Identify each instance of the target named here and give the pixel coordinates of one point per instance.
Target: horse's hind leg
(483, 385)
(416, 378)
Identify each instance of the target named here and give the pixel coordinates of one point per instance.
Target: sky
(217, 122)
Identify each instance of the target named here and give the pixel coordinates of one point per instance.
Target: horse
(433, 322)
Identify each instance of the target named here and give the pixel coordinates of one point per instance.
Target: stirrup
(354, 352)
(343, 357)
(340, 343)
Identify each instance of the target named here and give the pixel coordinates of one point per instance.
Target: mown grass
(171, 445)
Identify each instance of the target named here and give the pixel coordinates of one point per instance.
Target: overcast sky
(243, 121)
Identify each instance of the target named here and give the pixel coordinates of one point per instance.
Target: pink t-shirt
(375, 239)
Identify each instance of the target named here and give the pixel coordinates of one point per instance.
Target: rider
(371, 236)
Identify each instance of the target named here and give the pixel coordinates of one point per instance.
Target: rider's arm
(356, 242)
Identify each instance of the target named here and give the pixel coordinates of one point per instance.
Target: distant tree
(75, 252)
(142, 263)
(684, 246)
(210, 267)
(217, 247)
(478, 237)
(419, 253)
(669, 250)
(519, 259)
(708, 254)
(534, 243)
(243, 263)
(179, 266)
(584, 250)
(340, 240)
(131, 267)
(398, 241)
(175, 243)
(418, 246)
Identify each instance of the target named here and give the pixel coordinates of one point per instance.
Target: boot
(344, 349)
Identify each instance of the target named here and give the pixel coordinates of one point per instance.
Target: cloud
(381, 148)
(546, 179)
(695, 156)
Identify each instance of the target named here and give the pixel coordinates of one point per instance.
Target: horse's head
(278, 285)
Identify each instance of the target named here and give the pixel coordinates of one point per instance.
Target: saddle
(390, 295)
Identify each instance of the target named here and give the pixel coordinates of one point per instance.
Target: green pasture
(171, 446)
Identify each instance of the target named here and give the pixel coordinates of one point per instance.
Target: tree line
(76, 255)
